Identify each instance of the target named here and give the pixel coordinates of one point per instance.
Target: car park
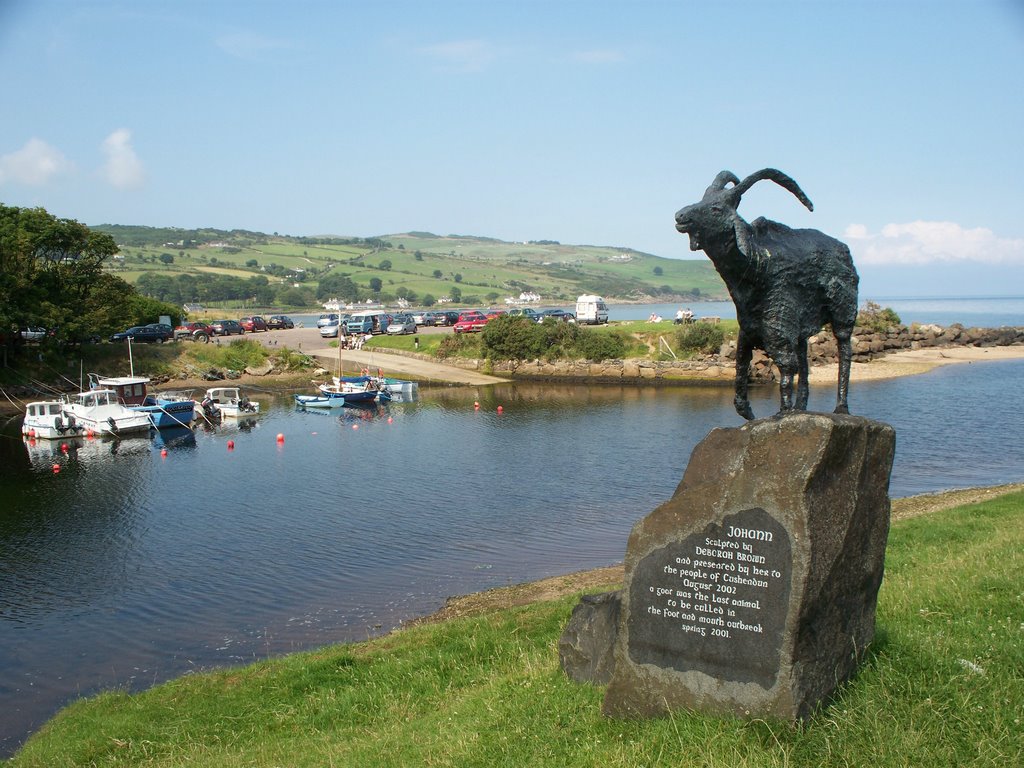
(470, 322)
(401, 324)
(253, 324)
(157, 332)
(194, 331)
(227, 327)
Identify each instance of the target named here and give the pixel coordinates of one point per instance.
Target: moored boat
(228, 402)
(46, 420)
(319, 401)
(360, 389)
(99, 411)
(165, 409)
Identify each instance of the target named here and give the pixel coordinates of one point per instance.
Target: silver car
(401, 324)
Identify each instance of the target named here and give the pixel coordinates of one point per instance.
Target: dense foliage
(704, 338)
(519, 338)
(51, 275)
(877, 318)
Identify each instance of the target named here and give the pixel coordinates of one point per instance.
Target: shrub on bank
(703, 338)
(519, 338)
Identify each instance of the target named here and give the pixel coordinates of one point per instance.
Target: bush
(513, 338)
(879, 319)
(459, 345)
(598, 345)
(234, 356)
(703, 338)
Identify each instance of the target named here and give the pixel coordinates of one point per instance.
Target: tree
(337, 287)
(428, 300)
(438, 274)
(418, 255)
(252, 263)
(376, 284)
(455, 293)
(457, 277)
(167, 258)
(658, 271)
(385, 265)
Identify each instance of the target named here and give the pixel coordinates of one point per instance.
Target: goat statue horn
(719, 183)
(771, 174)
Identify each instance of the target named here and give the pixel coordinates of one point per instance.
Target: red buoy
(280, 437)
(500, 409)
(56, 468)
(163, 452)
(231, 445)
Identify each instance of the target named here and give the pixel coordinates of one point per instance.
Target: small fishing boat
(46, 420)
(362, 389)
(319, 401)
(165, 409)
(99, 411)
(394, 386)
(228, 402)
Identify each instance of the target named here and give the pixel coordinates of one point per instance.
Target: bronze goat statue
(786, 285)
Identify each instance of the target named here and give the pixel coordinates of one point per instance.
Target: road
(309, 342)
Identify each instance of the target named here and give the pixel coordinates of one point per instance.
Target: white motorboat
(228, 402)
(46, 420)
(99, 411)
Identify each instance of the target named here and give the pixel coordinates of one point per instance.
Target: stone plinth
(752, 590)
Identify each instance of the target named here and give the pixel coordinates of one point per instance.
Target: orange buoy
(231, 445)
(280, 437)
(163, 452)
(355, 426)
(476, 406)
(56, 468)
(390, 419)
(500, 409)
(64, 447)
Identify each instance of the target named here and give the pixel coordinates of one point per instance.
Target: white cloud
(34, 164)
(461, 55)
(928, 242)
(123, 168)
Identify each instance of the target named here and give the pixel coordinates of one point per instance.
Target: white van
(591, 310)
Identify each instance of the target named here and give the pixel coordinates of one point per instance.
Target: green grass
(943, 685)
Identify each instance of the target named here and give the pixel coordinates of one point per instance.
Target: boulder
(586, 647)
(752, 591)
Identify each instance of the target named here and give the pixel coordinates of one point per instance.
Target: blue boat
(319, 401)
(356, 389)
(165, 409)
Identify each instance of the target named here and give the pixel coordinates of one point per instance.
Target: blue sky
(583, 122)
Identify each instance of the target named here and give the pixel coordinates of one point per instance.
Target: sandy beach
(911, 362)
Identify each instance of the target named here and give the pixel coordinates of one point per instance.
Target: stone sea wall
(868, 344)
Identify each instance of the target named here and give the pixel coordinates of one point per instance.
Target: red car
(469, 322)
(195, 331)
(253, 324)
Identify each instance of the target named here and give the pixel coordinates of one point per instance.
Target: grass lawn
(943, 685)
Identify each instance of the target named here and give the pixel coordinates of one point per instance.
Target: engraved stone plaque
(715, 601)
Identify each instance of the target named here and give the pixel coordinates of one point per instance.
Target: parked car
(423, 318)
(401, 324)
(280, 321)
(33, 333)
(194, 331)
(493, 313)
(469, 322)
(330, 330)
(326, 319)
(556, 314)
(446, 317)
(227, 327)
(527, 312)
(145, 333)
(253, 324)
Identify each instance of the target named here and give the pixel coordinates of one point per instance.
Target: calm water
(126, 568)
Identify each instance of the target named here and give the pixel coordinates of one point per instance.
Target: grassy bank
(943, 685)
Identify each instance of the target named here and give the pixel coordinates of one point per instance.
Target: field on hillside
(475, 269)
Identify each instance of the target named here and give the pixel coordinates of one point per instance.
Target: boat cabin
(129, 390)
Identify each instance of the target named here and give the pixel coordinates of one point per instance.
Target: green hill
(412, 265)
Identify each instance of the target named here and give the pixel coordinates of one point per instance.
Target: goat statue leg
(845, 359)
(744, 354)
(801, 386)
(787, 365)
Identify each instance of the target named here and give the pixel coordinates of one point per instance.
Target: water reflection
(143, 559)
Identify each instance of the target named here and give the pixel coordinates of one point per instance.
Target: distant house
(193, 308)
